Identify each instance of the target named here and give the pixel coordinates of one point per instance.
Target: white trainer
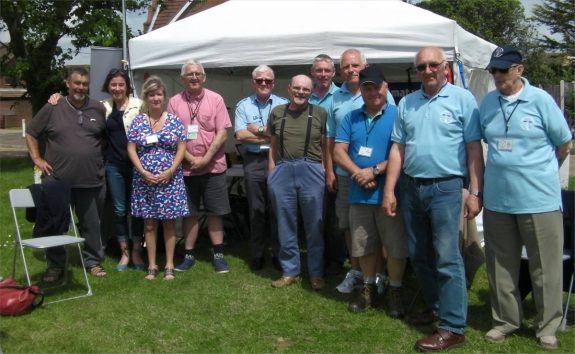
(353, 280)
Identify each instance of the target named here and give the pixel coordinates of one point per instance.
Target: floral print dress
(155, 201)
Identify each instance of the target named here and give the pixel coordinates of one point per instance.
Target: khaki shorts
(371, 228)
(342, 202)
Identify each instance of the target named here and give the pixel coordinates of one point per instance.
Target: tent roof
(292, 32)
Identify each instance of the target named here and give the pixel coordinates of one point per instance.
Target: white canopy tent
(232, 38)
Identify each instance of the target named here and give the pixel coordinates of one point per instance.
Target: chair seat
(52, 241)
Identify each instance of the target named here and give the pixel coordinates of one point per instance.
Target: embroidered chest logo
(446, 117)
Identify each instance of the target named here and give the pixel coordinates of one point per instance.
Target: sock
(190, 252)
(219, 248)
(395, 284)
(369, 280)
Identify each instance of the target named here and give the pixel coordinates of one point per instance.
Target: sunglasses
(432, 66)
(266, 81)
(492, 71)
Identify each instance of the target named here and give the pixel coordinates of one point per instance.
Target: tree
(559, 16)
(34, 56)
(498, 21)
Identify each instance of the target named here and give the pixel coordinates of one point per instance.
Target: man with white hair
(251, 119)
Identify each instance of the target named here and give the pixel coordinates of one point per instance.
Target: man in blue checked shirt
(250, 129)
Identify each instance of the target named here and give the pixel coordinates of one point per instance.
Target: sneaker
(394, 303)
(494, 336)
(219, 263)
(365, 299)
(548, 342)
(353, 280)
(380, 283)
(188, 262)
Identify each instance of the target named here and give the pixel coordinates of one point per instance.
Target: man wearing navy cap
(361, 149)
(528, 139)
(437, 146)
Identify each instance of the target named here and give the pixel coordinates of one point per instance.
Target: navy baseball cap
(504, 57)
(371, 75)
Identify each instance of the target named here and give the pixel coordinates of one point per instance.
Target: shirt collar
(191, 98)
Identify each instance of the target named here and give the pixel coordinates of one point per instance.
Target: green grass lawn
(202, 311)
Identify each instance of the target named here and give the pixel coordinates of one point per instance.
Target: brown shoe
(440, 340)
(284, 281)
(365, 300)
(317, 283)
(423, 318)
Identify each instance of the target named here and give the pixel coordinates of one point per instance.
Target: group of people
(391, 178)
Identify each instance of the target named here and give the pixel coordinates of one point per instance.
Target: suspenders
(307, 133)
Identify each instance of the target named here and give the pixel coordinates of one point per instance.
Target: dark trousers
(263, 224)
(87, 204)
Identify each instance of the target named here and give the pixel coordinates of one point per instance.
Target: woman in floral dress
(156, 146)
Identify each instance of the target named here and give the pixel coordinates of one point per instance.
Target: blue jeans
(431, 214)
(119, 182)
(294, 185)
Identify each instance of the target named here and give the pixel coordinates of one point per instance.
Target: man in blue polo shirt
(436, 145)
(362, 147)
(345, 100)
(528, 138)
(250, 127)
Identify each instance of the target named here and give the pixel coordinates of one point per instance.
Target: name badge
(151, 139)
(504, 144)
(192, 132)
(365, 151)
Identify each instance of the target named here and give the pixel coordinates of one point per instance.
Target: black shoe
(257, 264)
(365, 300)
(394, 303)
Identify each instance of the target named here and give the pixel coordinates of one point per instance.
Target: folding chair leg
(88, 286)
(564, 319)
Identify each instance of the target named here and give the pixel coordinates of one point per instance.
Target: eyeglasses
(492, 71)
(193, 74)
(266, 81)
(432, 66)
(301, 89)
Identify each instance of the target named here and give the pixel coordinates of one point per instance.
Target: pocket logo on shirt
(446, 117)
(527, 123)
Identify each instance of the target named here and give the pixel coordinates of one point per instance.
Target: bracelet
(476, 194)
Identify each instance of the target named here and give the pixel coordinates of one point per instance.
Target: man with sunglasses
(250, 129)
(74, 132)
(206, 119)
(528, 139)
(436, 146)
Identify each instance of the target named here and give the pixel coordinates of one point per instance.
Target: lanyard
(195, 110)
(368, 127)
(507, 119)
(260, 110)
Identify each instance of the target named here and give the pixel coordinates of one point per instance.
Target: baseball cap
(371, 74)
(504, 57)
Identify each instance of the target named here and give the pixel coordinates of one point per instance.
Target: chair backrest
(21, 198)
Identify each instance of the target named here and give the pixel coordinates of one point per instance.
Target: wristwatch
(376, 170)
(260, 130)
(476, 194)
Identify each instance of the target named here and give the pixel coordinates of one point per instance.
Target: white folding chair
(21, 199)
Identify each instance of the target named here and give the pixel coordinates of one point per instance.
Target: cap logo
(498, 52)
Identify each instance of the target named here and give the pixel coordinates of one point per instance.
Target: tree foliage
(34, 57)
(498, 21)
(559, 17)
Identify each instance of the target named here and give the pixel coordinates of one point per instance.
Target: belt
(428, 181)
(263, 152)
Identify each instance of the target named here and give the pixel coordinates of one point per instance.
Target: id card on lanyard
(193, 130)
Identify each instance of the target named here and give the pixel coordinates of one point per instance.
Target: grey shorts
(342, 202)
(210, 191)
(371, 229)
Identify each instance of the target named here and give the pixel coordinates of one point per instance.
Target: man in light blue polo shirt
(345, 100)
(362, 147)
(528, 138)
(437, 145)
(322, 72)
(250, 127)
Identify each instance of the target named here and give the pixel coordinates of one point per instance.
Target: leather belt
(428, 181)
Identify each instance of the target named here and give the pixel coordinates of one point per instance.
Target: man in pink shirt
(205, 117)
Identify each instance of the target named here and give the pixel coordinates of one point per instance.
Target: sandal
(152, 273)
(122, 267)
(52, 275)
(97, 270)
(169, 274)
